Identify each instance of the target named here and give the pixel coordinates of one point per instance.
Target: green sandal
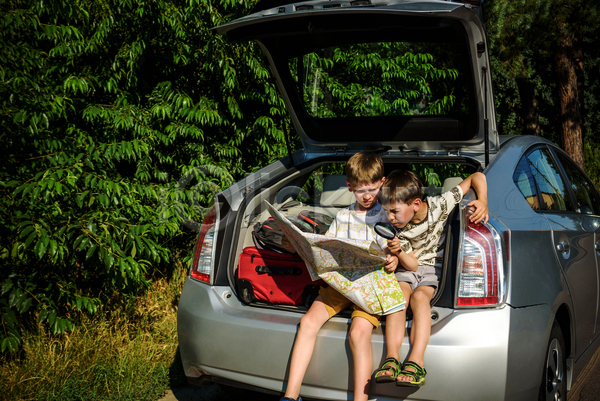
(389, 365)
(418, 376)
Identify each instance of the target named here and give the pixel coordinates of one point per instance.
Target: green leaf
(26, 231)
(51, 318)
(30, 239)
(109, 259)
(7, 285)
(90, 252)
(40, 247)
(52, 248)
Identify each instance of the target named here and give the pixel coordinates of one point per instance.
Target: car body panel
(579, 266)
(528, 230)
(211, 321)
(597, 257)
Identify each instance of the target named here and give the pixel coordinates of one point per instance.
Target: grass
(126, 352)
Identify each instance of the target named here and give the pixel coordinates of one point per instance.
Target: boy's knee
(310, 322)
(422, 296)
(419, 297)
(360, 334)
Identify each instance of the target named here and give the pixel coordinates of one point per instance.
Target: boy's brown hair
(401, 186)
(364, 167)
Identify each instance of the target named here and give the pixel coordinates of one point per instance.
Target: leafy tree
(542, 47)
(120, 119)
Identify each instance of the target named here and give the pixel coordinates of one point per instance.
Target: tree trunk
(568, 92)
(529, 106)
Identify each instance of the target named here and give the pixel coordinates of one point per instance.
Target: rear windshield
(389, 78)
(383, 79)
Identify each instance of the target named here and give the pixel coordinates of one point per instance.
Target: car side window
(524, 181)
(582, 188)
(551, 186)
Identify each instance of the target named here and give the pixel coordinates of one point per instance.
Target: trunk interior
(321, 188)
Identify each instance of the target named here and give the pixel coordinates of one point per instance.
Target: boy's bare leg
(359, 338)
(304, 345)
(395, 325)
(421, 326)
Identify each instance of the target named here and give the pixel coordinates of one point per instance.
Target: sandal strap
(393, 361)
(394, 368)
(418, 369)
(415, 376)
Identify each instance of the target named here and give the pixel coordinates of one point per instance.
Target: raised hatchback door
(404, 76)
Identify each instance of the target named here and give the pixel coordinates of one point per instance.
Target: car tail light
(202, 265)
(480, 267)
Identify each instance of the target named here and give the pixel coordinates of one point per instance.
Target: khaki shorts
(336, 302)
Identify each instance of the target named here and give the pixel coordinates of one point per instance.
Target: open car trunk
(321, 189)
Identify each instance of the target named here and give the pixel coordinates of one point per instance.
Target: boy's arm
(391, 260)
(479, 184)
(332, 230)
(407, 260)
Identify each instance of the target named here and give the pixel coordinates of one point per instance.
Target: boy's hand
(394, 245)
(391, 263)
(480, 212)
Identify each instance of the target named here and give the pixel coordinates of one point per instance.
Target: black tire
(554, 373)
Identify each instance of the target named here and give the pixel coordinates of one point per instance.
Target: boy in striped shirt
(419, 248)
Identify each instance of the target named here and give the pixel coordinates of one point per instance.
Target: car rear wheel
(554, 380)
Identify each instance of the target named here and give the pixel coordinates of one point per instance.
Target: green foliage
(523, 33)
(110, 113)
(375, 79)
(523, 39)
(435, 174)
(126, 351)
(592, 161)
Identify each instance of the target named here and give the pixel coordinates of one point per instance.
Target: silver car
(516, 315)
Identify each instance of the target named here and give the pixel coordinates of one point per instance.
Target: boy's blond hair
(401, 186)
(364, 167)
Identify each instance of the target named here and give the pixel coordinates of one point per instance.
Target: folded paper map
(355, 268)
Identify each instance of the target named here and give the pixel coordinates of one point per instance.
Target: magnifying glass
(386, 230)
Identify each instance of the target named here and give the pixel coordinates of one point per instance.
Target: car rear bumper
(472, 354)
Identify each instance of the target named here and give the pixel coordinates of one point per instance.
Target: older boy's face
(366, 193)
(400, 213)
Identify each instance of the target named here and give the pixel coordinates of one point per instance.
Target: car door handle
(564, 247)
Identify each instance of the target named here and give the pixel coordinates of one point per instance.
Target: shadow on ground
(182, 391)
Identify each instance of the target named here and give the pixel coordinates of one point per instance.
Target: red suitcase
(277, 278)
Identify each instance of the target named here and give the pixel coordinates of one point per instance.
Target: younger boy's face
(400, 213)
(366, 193)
